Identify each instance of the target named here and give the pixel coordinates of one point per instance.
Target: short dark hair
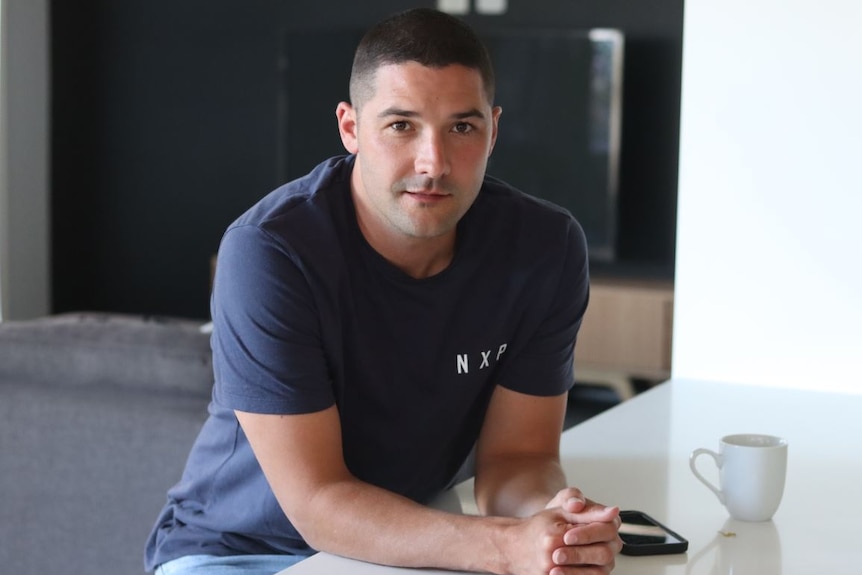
(422, 35)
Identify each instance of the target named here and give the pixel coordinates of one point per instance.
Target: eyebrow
(393, 111)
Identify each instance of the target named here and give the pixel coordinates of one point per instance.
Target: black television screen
(561, 93)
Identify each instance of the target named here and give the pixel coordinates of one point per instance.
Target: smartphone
(643, 535)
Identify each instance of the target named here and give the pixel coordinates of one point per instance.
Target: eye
(463, 128)
(399, 126)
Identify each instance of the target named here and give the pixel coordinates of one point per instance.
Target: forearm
(355, 519)
(517, 486)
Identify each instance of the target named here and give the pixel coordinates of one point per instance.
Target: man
(374, 321)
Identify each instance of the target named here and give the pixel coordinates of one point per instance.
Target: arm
(518, 473)
(517, 457)
(335, 512)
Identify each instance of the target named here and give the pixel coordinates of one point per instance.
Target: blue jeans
(233, 565)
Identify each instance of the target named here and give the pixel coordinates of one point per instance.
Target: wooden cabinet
(626, 333)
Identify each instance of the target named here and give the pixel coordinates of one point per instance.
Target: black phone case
(653, 549)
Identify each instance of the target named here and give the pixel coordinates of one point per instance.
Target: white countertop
(636, 456)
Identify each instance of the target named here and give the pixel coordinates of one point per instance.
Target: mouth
(424, 190)
(427, 195)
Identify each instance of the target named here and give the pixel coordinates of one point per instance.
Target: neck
(419, 258)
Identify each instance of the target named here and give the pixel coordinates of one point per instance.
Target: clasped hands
(572, 535)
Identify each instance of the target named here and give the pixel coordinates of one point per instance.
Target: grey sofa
(97, 415)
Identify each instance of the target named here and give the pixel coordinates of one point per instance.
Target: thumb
(574, 504)
(593, 513)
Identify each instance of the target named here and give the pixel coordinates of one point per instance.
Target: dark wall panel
(166, 127)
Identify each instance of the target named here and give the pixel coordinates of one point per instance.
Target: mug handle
(718, 462)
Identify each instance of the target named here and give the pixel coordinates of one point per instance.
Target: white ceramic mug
(751, 474)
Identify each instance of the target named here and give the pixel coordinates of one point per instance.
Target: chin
(429, 231)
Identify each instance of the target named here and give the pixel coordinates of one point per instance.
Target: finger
(583, 570)
(575, 504)
(570, 492)
(594, 513)
(588, 534)
(566, 498)
(598, 554)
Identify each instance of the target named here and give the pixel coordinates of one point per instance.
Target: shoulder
(299, 225)
(315, 192)
(309, 213)
(524, 219)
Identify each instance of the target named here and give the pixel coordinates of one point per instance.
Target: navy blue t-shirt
(307, 315)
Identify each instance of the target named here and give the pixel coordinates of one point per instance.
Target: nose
(431, 155)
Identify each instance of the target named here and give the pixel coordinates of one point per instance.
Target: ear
(346, 115)
(496, 112)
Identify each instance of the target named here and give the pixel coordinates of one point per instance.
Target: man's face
(422, 141)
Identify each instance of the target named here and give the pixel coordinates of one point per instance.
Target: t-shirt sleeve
(545, 364)
(267, 351)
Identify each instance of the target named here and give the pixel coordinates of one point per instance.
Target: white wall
(769, 237)
(24, 168)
